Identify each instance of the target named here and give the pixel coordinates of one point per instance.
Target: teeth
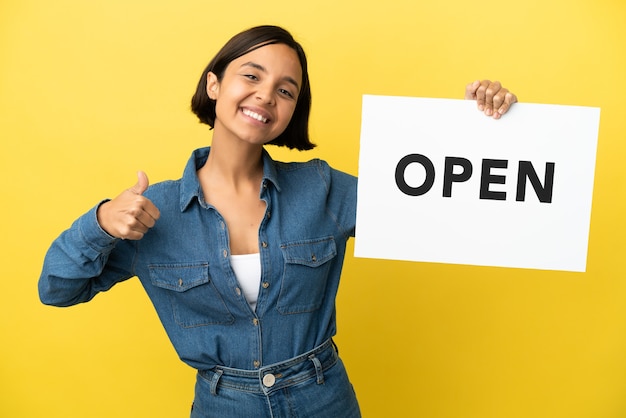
(254, 115)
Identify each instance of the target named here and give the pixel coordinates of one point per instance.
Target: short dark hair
(296, 135)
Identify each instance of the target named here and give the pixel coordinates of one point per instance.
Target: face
(257, 95)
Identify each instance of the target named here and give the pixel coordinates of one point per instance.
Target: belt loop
(318, 369)
(215, 380)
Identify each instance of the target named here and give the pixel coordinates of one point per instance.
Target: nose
(265, 94)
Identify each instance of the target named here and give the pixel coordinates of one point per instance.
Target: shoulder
(315, 171)
(314, 166)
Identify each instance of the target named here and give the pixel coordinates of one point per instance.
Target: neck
(233, 164)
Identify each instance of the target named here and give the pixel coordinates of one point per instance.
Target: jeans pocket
(305, 274)
(194, 299)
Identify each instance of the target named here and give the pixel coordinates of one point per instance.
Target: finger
(132, 235)
(137, 218)
(152, 211)
(142, 183)
(141, 211)
(498, 99)
(135, 225)
(148, 215)
(490, 92)
(480, 94)
(470, 90)
(134, 232)
(509, 99)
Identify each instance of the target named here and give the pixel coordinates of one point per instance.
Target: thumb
(141, 185)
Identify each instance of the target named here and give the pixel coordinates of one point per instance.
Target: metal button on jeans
(269, 380)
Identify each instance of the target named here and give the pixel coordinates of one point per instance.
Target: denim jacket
(183, 264)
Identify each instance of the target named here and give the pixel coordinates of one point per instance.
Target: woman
(241, 257)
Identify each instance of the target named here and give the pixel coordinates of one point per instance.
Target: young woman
(241, 257)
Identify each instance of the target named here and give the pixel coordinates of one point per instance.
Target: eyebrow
(263, 69)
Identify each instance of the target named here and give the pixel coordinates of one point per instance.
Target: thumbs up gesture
(129, 215)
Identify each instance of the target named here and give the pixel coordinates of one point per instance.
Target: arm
(90, 256)
(74, 266)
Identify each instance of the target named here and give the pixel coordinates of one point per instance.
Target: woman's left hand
(491, 97)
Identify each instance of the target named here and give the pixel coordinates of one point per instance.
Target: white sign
(441, 182)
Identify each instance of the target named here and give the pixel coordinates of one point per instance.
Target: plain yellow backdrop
(92, 91)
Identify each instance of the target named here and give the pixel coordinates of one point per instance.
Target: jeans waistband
(275, 376)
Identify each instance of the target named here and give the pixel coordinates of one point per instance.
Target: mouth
(255, 115)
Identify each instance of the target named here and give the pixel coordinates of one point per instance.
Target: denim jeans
(313, 385)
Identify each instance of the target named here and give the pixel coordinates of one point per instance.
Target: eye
(251, 77)
(286, 93)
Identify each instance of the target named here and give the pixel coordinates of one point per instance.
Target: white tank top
(247, 268)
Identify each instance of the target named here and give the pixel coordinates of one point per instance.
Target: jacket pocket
(305, 274)
(193, 297)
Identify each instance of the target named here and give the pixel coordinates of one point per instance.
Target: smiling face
(257, 95)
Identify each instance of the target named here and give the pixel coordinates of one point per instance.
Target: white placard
(514, 192)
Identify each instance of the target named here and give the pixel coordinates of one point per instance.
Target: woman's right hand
(130, 215)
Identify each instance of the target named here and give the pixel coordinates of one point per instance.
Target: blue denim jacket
(183, 264)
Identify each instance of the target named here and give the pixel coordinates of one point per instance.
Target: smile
(254, 115)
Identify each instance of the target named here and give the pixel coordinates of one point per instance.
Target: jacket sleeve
(342, 188)
(83, 261)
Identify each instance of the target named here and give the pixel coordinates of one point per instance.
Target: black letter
(486, 178)
(428, 182)
(449, 177)
(526, 170)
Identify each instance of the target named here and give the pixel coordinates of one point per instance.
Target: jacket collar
(190, 185)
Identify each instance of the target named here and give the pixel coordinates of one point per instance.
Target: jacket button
(265, 285)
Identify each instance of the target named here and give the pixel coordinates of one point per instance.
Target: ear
(212, 85)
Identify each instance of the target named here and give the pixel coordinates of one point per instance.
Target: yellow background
(91, 91)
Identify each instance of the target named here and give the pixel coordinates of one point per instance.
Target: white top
(247, 268)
